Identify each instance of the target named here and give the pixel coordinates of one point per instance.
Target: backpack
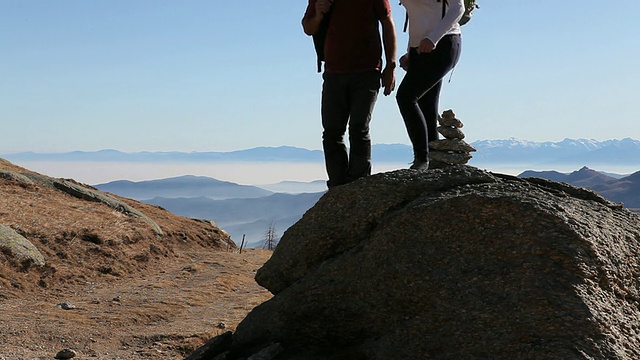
(319, 38)
(469, 6)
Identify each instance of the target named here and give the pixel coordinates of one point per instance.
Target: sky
(196, 75)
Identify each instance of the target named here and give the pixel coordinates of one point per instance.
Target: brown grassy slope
(136, 291)
(82, 240)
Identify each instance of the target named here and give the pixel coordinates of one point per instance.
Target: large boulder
(456, 263)
(18, 246)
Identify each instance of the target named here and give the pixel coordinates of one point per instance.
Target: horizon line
(284, 147)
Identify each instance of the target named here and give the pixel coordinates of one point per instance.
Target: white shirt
(426, 21)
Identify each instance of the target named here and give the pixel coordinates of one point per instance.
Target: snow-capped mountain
(579, 152)
(573, 152)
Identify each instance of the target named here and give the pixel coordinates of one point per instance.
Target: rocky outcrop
(79, 191)
(13, 176)
(86, 193)
(453, 263)
(19, 247)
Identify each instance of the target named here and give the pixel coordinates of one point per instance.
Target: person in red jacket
(352, 77)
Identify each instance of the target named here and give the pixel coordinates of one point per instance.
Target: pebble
(66, 305)
(65, 354)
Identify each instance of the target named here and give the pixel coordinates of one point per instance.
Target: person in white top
(434, 49)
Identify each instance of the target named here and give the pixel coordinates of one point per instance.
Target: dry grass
(137, 294)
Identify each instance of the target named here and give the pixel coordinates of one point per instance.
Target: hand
(426, 46)
(389, 78)
(404, 62)
(322, 7)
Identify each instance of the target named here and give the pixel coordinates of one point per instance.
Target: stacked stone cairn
(452, 150)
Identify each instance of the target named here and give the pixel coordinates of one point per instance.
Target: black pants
(348, 99)
(419, 93)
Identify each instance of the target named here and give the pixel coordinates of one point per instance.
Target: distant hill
(182, 186)
(238, 209)
(250, 217)
(625, 189)
(259, 154)
(584, 177)
(549, 175)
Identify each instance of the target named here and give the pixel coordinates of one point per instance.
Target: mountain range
(248, 211)
(568, 151)
(247, 219)
(183, 186)
(576, 152)
(281, 153)
(243, 211)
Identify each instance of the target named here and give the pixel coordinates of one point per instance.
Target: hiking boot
(419, 165)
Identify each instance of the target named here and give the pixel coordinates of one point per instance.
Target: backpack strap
(406, 22)
(319, 38)
(406, 19)
(406, 15)
(444, 9)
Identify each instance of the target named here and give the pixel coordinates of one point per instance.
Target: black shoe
(419, 165)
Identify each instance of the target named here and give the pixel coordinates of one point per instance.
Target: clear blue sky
(159, 75)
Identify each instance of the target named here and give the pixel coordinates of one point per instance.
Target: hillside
(625, 190)
(584, 177)
(111, 277)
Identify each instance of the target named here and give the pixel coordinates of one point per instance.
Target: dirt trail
(164, 314)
